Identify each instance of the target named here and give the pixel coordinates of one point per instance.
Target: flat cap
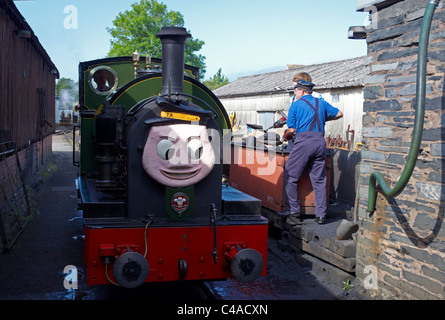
(305, 85)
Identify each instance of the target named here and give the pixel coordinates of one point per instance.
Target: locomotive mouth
(180, 175)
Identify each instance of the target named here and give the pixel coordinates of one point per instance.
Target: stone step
(287, 252)
(322, 269)
(308, 233)
(315, 249)
(319, 241)
(325, 236)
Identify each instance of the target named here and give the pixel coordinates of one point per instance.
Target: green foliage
(136, 29)
(64, 83)
(347, 285)
(218, 80)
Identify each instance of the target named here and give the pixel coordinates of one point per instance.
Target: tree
(218, 80)
(67, 83)
(136, 29)
(64, 83)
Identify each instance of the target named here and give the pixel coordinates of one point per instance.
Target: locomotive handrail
(143, 102)
(75, 162)
(215, 115)
(418, 120)
(145, 236)
(213, 221)
(139, 105)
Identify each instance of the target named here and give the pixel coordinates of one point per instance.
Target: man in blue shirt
(306, 120)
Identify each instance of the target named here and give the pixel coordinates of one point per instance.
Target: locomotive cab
(150, 182)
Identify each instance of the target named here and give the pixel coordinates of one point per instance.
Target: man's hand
(288, 134)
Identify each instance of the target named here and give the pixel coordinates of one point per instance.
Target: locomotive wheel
(130, 270)
(247, 265)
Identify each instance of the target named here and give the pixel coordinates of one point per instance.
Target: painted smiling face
(178, 155)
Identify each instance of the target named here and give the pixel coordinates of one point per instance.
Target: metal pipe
(418, 120)
(173, 52)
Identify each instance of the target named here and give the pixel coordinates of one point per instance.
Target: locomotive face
(178, 155)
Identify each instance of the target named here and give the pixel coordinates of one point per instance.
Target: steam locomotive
(150, 185)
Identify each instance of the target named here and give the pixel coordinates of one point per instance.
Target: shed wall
(27, 87)
(401, 246)
(350, 102)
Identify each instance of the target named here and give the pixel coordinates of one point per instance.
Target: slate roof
(336, 74)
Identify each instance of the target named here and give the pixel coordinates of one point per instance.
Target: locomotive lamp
(357, 32)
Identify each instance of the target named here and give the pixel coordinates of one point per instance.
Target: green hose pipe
(418, 120)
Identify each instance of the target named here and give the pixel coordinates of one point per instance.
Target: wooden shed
(257, 99)
(27, 88)
(27, 107)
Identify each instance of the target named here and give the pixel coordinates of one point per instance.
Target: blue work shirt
(300, 115)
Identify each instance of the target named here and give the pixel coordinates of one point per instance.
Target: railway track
(67, 132)
(209, 291)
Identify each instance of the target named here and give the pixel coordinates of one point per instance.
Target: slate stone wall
(401, 246)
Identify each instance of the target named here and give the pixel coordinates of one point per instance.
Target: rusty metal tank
(259, 173)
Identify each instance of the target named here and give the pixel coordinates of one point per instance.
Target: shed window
(266, 118)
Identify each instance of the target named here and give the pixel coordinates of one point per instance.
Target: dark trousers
(309, 152)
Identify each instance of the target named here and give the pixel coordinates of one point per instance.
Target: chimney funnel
(173, 51)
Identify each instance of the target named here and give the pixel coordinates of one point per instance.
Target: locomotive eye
(165, 149)
(194, 149)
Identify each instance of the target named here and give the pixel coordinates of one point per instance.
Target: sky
(242, 37)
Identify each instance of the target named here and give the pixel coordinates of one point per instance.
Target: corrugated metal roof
(336, 74)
